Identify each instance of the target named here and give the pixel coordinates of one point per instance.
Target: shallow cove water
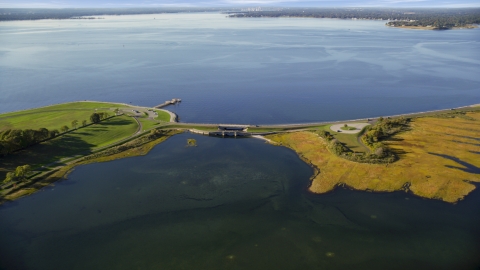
(228, 204)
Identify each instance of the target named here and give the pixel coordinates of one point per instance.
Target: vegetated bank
(136, 147)
(415, 18)
(434, 157)
(431, 154)
(31, 151)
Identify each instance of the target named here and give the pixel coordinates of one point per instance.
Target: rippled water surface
(234, 203)
(239, 70)
(229, 204)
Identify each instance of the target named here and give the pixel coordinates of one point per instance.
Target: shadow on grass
(98, 128)
(393, 139)
(400, 153)
(45, 153)
(468, 137)
(469, 168)
(116, 122)
(474, 144)
(83, 133)
(474, 152)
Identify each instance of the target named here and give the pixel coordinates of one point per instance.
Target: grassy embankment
(75, 143)
(439, 158)
(55, 116)
(33, 185)
(349, 140)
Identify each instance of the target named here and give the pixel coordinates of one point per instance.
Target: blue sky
(239, 3)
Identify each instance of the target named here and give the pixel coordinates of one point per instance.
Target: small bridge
(231, 131)
(226, 133)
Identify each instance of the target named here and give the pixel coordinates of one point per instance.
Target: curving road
(358, 126)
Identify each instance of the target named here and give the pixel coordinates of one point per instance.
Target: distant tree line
(440, 18)
(15, 14)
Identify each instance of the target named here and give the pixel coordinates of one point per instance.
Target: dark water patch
(229, 204)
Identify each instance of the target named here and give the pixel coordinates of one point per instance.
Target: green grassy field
(77, 142)
(148, 124)
(163, 116)
(106, 132)
(350, 140)
(55, 116)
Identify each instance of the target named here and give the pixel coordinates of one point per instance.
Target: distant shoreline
(470, 26)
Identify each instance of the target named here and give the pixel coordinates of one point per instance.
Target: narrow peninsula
(433, 154)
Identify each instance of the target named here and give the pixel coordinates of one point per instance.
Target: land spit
(443, 192)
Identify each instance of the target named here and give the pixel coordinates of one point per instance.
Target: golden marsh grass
(439, 157)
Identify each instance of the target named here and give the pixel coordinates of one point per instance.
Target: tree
(20, 174)
(103, 115)
(53, 133)
(64, 129)
(10, 177)
(74, 124)
(44, 133)
(22, 171)
(95, 118)
(84, 123)
(345, 125)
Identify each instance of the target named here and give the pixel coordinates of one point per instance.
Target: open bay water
(232, 70)
(234, 203)
(229, 204)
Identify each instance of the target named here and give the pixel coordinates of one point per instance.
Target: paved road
(358, 126)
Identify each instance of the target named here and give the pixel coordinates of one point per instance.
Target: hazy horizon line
(227, 7)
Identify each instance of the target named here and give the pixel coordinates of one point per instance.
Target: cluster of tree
(378, 155)
(15, 139)
(97, 117)
(20, 174)
(10, 14)
(383, 129)
(440, 18)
